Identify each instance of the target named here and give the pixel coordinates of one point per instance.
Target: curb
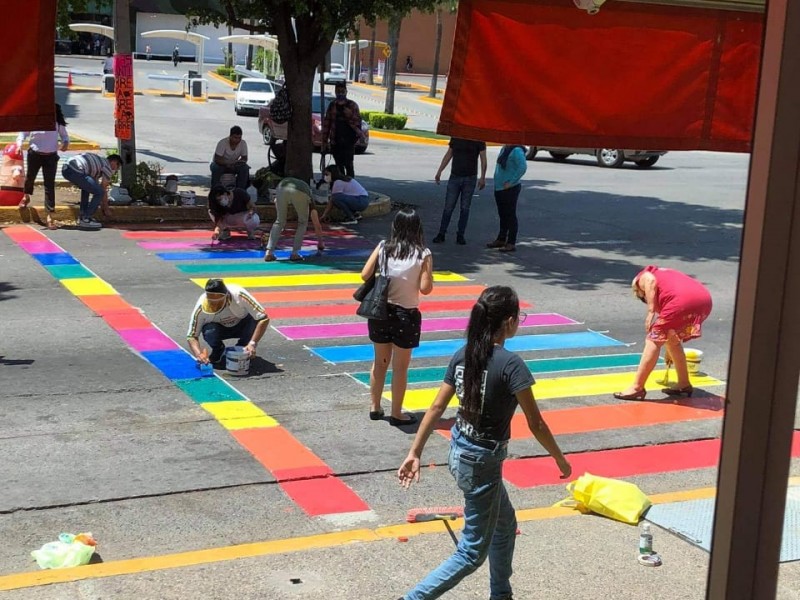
(411, 139)
(380, 204)
(221, 79)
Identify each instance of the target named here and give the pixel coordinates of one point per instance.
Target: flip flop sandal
(296, 258)
(269, 257)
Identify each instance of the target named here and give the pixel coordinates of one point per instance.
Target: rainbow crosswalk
(322, 291)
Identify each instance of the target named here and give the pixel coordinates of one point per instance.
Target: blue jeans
(490, 525)
(215, 335)
(458, 187)
(88, 185)
(240, 169)
(348, 204)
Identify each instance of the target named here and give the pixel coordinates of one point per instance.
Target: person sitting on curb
(92, 174)
(232, 208)
(298, 193)
(230, 156)
(225, 312)
(346, 194)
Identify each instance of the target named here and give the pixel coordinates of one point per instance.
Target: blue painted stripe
(435, 348)
(173, 364)
(55, 258)
(235, 254)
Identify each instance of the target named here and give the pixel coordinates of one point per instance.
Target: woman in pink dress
(677, 305)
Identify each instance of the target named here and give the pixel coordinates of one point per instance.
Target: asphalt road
(94, 438)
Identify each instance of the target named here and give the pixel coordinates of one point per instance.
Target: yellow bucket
(693, 359)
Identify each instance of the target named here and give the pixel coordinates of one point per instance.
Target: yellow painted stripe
(317, 279)
(398, 137)
(239, 414)
(563, 387)
(90, 286)
(438, 101)
(298, 544)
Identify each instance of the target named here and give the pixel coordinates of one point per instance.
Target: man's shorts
(402, 328)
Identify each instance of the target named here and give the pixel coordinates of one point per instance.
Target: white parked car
(252, 94)
(336, 74)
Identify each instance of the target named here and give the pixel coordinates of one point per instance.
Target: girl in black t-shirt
(489, 382)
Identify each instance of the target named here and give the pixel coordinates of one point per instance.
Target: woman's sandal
(51, 223)
(684, 391)
(495, 244)
(376, 415)
(395, 422)
(640, 395)
(508, 248)
(296, 258)
(269, 257)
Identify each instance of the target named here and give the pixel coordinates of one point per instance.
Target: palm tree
(370, 77)
(452, 6)
(395, 21)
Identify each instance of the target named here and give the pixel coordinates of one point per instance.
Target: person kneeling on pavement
(229, 209)
(346, 194)
(222, 313)
(92, 174)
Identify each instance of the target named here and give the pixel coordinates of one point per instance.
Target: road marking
(328, 294)
(306, 280)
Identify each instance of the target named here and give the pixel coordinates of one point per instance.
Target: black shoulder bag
(374, 292)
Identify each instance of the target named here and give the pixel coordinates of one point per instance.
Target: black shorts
(402, 328)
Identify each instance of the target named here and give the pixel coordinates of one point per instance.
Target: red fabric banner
(27, 97)
(637, 76)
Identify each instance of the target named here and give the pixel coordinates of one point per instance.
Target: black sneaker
(89, 223)
(438, 239)
(461, 241)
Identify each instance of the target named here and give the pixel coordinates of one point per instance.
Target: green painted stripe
(279, 266)
(208, 389)
(538, 366)
(69, 271)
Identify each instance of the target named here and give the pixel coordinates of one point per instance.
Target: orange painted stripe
(23, 233)
(322, 295)
(126, 319)
(277, 449)
(104, 304)
(612, 416)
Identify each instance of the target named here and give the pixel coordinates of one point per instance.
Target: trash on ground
(68, 551)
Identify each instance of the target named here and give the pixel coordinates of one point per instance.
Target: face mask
(225, 201)
(327, 178)
(341, 96)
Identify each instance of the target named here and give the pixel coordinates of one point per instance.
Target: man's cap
(216, 286)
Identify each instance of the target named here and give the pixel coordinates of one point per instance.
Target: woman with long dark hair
(511, 166)
(489, 381)
(409, 265)
(346, 194)
(43, 154)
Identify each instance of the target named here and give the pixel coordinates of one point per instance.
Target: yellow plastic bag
(612, 498)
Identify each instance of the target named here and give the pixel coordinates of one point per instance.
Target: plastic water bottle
(252, 192)
(645, 540)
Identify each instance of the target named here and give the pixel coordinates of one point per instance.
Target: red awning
(27, 34)
(632, 76)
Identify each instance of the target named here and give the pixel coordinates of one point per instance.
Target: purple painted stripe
(40, 247)
(144, 340)
(429, 325)
(308, 244)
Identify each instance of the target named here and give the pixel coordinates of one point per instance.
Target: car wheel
(559, 156)
(646, 163)
(361, 149)
(236, 109)
(531, 153)
(266, 134)
(610, 158)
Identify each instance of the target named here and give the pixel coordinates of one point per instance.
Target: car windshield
(315, 103)
(256, 86)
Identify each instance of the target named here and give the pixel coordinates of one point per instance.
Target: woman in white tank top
(409, 266)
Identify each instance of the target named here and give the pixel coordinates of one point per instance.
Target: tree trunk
(435, 76)
(370, 74)
(357, 58)
(395, 20)
(229, 57)
(300, 55)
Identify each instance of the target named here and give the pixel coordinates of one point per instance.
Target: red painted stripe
(205, 234)
(626, 462)
(325, 496)
(23, 233)
(349, 310)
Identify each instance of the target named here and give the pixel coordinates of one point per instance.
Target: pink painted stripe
(429, 325)
(47, 247)
(204, 234)
(308, 244)
(143, 340)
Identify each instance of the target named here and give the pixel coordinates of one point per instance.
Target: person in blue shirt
(511, 166)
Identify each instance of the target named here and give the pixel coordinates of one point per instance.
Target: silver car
(606, 157)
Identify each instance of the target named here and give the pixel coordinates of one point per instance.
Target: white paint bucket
(236, 361)
(693, 359)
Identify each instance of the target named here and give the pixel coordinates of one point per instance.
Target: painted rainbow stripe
(246, 245)
(349, 310)
(537, 366)
(346, 294)
(301, 474)
(205, 234)
(438, 348)
(626, 462)
(563, 387)
(259, 254)
(279, 266)
(431, 325)
(267, 281)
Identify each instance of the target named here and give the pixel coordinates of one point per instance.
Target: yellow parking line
(298, 544)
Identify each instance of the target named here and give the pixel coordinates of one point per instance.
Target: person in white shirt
(409, 265)
(230, 156)
(223, 312)
(43, 154)
(92, 174)
(346, 194)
